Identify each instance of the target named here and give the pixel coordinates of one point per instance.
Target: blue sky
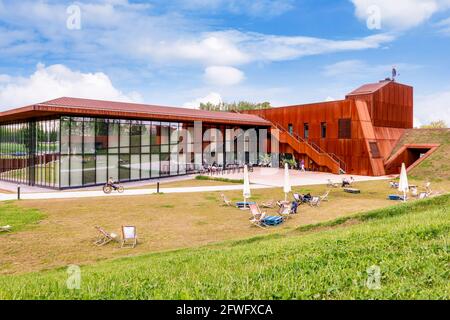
(181, 53)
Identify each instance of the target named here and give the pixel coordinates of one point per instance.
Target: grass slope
(18, 218)
(437, 166)
(409, 243)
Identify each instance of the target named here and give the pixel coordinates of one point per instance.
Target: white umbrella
(403, 185)
(246, 190)
(287, 183)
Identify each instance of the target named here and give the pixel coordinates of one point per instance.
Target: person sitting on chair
(294, 207)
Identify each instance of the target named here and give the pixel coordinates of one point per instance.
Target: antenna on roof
(395, 74)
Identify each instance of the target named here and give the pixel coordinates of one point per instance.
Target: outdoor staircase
(312, 150)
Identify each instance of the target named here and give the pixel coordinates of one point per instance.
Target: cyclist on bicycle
(111, 183)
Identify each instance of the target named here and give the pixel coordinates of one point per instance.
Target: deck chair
(423, 195)
(5, 228)
(332, 184)
(428, 188)
(297, 197)
(257, 216)
(225, 201)
(414, 192)
(315, 202)
(269, 204)
(324, 197)
(104, 237)
(284, 211)
(129, 237)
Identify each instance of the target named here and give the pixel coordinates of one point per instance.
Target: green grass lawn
(408, 242)
(19, 218)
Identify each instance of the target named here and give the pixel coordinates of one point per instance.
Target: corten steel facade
(67, 143)
(71, 142)
(355, 135)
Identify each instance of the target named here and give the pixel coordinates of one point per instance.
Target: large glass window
(89, 136)
(76, 170)
(75, 151)
(124, 137)
(113, 166)
(89, 170)
(102, 169)
(76, 136)
(113, 137)
(101, 136)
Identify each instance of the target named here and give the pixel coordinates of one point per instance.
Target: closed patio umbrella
(403, 185)
(246, 190)
(287, 183)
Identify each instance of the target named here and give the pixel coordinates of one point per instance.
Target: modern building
(70, 142)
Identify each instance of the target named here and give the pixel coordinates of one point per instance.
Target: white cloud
(432, 107)
(401, 14)
(223, 76)
(212, 97)
(113, 30)
(56, 81)
(444, 26)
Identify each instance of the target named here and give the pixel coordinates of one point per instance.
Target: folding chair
(315, 202)
(104, 237)
(257, 216)
(129, 236)
(225, 201)
(5, 228)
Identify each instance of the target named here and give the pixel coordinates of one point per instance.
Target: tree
(235, 106)
(439, 124)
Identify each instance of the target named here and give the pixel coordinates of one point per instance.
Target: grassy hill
(437, 166)
(407, 242)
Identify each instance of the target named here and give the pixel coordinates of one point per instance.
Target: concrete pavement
(261, 178)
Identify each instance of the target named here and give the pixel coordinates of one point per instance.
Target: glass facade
(72, 152)
(29, 151)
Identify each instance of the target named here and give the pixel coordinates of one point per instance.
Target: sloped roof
(369, 88)
(89, 107)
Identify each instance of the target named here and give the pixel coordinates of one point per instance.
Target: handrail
(313, 145)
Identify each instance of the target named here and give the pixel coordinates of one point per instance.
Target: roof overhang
(160, 114)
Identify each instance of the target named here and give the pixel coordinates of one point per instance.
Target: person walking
(302, 165)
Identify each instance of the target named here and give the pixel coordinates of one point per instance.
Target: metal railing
(313, 145)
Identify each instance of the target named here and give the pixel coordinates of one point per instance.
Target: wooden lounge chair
(225, 201)
(5, 228)
(257, 216)
(104, 237)
(393, 184)
(423, 195)
(324, 197)
(269, 204)
(428, 188)
(129, 236)
(332, 184)
(284, 211)
(315, 202)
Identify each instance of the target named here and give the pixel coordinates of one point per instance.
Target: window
(291, 128)
(345, 129)
(306, 131)
(101, 136)
(323, 130)
(374, 150)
